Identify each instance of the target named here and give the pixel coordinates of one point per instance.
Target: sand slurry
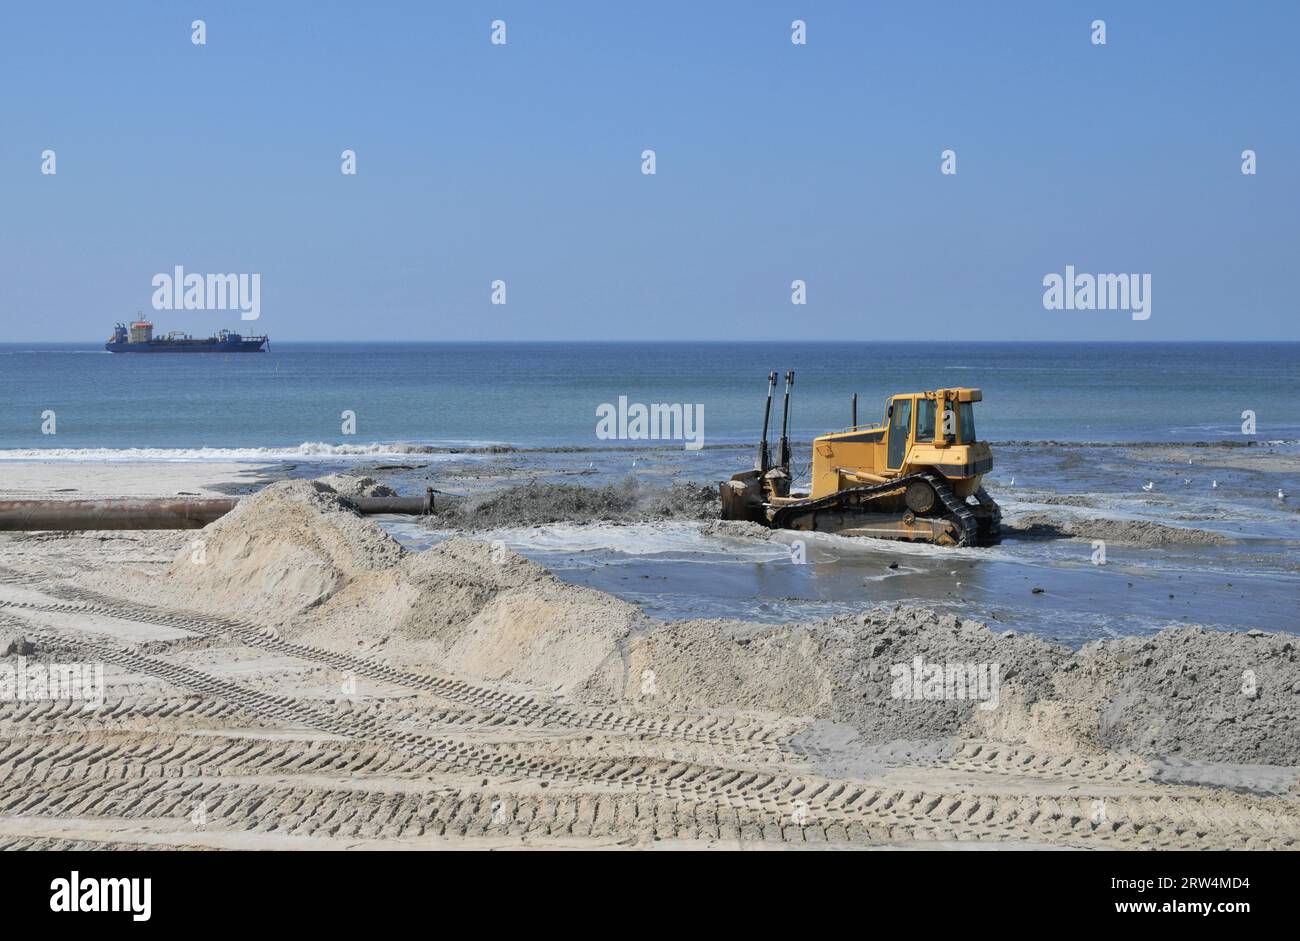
(536, 503)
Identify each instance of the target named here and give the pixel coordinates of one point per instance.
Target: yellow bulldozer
(916, 476)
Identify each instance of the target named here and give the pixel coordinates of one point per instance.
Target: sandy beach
(77, 480)
(292, 676)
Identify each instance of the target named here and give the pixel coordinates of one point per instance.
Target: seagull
(1214, 485)
(1280, 494)
(1186, 481)
(1149, 485)
(1013, 482)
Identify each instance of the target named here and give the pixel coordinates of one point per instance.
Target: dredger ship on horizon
(139, 338)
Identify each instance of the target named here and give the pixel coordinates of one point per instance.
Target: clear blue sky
(775, 162)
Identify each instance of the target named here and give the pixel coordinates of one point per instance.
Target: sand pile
(471, 607)
(719, 665)
(281, 551)
(880, 691)
(845, 669)
(353, 485)
(536, 504)
(1187, 692)
(738, 529)
(1195, 693)
(1144, 533)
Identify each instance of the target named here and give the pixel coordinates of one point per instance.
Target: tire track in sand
(1183, 820)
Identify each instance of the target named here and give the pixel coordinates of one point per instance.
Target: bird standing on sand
(1149, 485)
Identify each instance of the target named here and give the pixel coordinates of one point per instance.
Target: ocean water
(287, 404)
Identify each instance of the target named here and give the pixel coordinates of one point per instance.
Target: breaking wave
(307, 451)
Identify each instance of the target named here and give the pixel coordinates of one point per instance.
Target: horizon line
(718, 341)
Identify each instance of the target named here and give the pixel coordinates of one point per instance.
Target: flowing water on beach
(683, 568)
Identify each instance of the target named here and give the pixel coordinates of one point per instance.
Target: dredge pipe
(73, 515)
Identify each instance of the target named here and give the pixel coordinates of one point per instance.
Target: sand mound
(877, 651)
(480, 609)
(1144, 533)
(843, 669)
(281, 551)
(737, 529)
(353, 485)
(722, 666)
(1196, 693)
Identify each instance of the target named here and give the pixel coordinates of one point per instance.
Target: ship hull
(189, 346)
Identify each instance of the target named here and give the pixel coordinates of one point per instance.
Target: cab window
(966, 422)
(925, 420)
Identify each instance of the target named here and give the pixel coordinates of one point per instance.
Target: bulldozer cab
(939, 418)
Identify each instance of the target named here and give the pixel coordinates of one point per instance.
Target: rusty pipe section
(72, 515)
(111, 514)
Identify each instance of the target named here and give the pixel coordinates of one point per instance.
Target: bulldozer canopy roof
(961, 394)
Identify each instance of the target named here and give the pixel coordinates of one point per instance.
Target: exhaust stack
(764, 462)
(785, 424)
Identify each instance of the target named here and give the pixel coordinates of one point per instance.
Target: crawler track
(174, 756)
(1018, 761)
(885, 816)
(150, 714)
(860, 499)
